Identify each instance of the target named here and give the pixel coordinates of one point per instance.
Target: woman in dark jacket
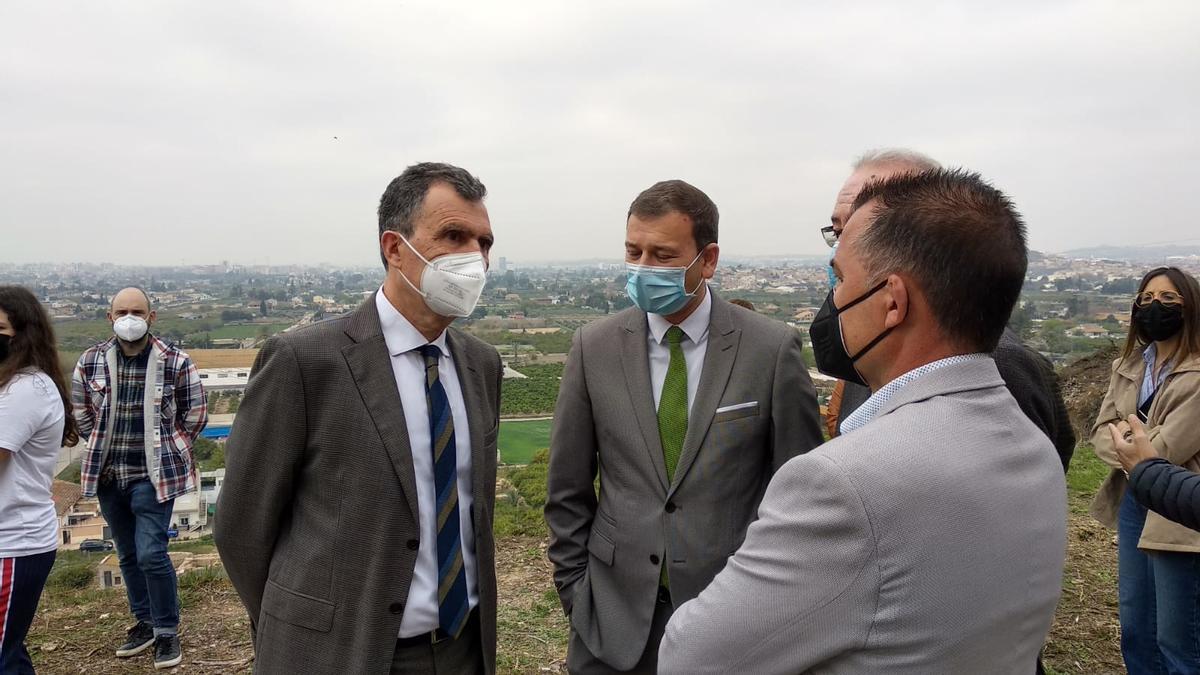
(1169, 490)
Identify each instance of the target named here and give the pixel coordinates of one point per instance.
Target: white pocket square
(737, 406)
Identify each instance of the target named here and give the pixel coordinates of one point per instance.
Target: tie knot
(431, 354)
(674, 335)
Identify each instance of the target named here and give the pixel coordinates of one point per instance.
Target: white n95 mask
(130, 328)
(450, 284)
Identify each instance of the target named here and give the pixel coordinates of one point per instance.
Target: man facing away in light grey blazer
(356, 516)
(684, 406)
(929, 537)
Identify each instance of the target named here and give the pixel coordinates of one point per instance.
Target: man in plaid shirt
(140, 405)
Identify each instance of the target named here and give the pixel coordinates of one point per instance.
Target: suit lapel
(371, 367)
(635, 357)
(471, 382)
(723, 339)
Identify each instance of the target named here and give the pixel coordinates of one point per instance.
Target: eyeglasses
(830, 236)
(1144, 298)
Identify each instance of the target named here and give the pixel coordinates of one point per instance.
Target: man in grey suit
(684, 405)
(356, 516)
(929, 537)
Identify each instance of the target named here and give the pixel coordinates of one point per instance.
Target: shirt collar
(695, 326)
(398, 332)
(871, 407)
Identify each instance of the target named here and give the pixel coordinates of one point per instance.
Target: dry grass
(223, 358)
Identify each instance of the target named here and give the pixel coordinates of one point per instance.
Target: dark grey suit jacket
(317, 519)
(755, 408)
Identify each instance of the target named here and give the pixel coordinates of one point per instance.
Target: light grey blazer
(607, 554)
(317, 519)
(929, 541)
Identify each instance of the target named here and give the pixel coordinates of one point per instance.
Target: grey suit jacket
(607, 553)
(317, 519)
(929, 541)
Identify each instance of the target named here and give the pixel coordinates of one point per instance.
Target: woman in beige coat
(1157, 378)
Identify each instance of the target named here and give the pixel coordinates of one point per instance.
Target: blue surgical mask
(659, 290)
(829, 267)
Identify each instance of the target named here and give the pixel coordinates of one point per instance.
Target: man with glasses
(1030, 377)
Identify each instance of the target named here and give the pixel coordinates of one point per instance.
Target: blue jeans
(139, 526)
(1159, 594)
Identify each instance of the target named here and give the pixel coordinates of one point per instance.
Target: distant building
(224, 379)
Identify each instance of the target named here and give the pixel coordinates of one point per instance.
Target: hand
(1126, 430)
(1131, 443)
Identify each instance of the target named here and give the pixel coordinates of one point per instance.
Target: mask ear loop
(702, 279)
(416, 290)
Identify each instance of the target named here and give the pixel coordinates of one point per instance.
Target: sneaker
(137, 640)
(167, 653)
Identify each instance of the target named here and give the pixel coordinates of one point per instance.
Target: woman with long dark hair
(35, 421)
(1157, 379)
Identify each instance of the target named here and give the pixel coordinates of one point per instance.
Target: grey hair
(402, 200)
(882, 156)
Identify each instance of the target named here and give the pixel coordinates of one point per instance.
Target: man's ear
(151, 316)
(390, 245)
(708, 261)
(897, 299)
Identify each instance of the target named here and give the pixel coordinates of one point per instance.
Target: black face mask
(1157, 321)
(4, 346)
(829, 347)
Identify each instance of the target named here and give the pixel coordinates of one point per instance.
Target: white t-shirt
(31, 427)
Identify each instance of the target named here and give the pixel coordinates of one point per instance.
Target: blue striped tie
(453, 604)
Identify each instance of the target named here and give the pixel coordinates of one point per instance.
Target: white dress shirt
(408, 367)
(694, 345)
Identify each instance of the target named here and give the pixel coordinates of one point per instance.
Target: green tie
(673, 404)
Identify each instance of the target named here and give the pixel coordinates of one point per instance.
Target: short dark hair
(959, 238)
(1189, 290)
(402, 200)
(677, 196)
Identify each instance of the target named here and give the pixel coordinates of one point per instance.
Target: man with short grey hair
(356, 516)
(877, 164)
(930, 537)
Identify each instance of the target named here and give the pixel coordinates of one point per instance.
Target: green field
(520, 440)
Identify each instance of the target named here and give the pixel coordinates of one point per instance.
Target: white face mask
(131, 328)
(451, 284)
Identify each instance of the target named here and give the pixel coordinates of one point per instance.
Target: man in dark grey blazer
(930, 536)
(356, 516)
(684, 405)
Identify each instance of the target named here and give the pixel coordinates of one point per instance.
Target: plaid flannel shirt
(126, 459)
(175, 414)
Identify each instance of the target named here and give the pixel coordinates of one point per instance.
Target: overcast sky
(167, 132)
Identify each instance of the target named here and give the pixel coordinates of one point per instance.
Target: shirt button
(396, 607)
(653, 559)
(412, 544)
(670, 507)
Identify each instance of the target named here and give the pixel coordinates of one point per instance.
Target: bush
(519, 508)
(71, 577)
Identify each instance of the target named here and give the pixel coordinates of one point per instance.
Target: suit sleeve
(262, 455)
(800, 589)
(1101, 439)
(570, 494)
(1064, 432)
(795, 415)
